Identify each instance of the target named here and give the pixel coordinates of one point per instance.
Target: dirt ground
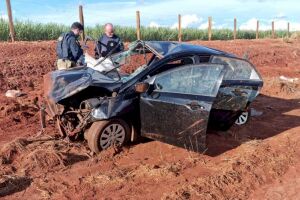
(259, 160)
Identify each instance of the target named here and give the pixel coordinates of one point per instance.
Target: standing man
(108, 42)
(68, 49)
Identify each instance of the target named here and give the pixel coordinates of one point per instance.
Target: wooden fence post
(138, 25)
(257, 29)
(81, 18)
(179, 29)
(209, 28)
(273, 30)
(234, 31)
(10, 19)
(288, 29)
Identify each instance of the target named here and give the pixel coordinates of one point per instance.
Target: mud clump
(12, 184)
(24, 160)
(42, 160)
(239, 177)
(36, 156)
(10, 151)
(289, 88)
(24, 63)
(280, 88)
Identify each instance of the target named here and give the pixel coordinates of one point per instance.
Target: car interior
(187, 60)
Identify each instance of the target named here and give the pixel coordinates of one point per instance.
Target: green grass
(29, 31)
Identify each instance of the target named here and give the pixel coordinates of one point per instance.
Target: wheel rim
(242, 118)
(112, 134)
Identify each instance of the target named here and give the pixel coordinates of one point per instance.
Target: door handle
(194, 105)
(155, 95)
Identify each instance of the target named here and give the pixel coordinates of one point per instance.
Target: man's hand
(81, 61)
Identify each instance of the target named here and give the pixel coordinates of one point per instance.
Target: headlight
(99, 114)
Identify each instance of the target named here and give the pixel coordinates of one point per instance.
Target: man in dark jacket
(69, 51)
(109, 42)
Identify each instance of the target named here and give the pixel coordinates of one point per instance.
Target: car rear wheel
(104, 134)
(243, 118)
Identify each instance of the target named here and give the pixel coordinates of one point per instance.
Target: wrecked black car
(175, 91)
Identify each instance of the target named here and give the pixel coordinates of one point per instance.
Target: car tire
(103, 134)
(243, 118)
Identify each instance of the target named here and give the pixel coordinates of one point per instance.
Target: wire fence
(30, 31)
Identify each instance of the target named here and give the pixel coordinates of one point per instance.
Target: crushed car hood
(61, 84)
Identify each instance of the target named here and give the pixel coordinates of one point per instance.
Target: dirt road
(259, 160)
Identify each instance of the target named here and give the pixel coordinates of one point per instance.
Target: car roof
(166, 48)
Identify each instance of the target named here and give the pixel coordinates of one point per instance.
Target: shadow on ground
(14, 184)
(279, 115)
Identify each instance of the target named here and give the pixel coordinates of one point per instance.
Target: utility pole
(288, 29)
(234, 31)
(179, 29)
(138, 25)
(257, 29)
(11, 23)
(209, 28)
(273, 30)
(81, 18)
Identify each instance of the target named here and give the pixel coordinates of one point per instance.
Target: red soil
(259, 160)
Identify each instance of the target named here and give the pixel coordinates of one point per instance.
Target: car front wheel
(104, 134)
(243, 118)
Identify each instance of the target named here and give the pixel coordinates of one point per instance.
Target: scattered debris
(288, 87)
(290, 80)
(270, 107)
(13, 93)
(256, 113)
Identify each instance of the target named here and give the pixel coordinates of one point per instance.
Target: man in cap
(69, 51)
(109, 42)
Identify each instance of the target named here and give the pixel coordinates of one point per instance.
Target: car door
(176, 107)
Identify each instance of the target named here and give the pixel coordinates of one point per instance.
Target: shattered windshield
(133, 61)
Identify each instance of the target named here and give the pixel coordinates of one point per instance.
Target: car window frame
(241, 59)
(151, 80)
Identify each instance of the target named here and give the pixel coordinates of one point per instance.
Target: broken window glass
(133, 61)
(195, 79)
(238, 69)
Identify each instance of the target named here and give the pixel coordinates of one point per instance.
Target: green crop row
(30, 31)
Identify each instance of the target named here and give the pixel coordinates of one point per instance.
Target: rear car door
(176, 108)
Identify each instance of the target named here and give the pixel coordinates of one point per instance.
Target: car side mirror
(142, 87)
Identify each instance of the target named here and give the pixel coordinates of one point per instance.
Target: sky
(163, 13)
